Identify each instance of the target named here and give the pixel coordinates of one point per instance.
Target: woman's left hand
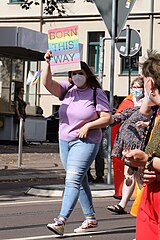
(102, 121)
(83, 131)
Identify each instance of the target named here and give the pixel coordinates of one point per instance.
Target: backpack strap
(94, 96)
(70, 86)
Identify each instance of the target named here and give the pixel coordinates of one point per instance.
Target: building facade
(144, 18)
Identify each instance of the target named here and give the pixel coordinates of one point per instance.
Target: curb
(21, 178)
(97, 190)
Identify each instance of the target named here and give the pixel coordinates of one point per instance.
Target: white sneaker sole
(80, 230)
(55, 230)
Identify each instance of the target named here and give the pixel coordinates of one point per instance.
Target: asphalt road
(24, 217)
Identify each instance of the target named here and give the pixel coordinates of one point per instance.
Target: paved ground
(42, 175)
(41, 165)
(38, 161)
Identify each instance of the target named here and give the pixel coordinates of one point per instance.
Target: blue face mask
(137, 92)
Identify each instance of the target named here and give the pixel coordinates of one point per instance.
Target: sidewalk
(40, 162)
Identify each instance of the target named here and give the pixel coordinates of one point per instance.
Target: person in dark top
(20, 112)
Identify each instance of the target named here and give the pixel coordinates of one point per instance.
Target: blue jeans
(76, 157)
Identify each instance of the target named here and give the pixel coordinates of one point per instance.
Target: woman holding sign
(79, 138)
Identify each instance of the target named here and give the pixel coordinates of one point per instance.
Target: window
(11, 76)
(16, 1)
(31, 91)
(65, 1)
(93, 49)
(134, 64)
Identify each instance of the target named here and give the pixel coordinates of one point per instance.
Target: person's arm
(117, 118)
(51, 85)
(16, 107)
(142, 124)
(145, 109)
(103, 120)
(17, 112)
(121, 116)
(112, 121)
(137, 158)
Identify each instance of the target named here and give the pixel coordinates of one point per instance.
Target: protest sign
(64, 45)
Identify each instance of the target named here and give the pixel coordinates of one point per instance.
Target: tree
(50, 5)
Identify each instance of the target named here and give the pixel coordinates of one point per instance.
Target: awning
(23, 43)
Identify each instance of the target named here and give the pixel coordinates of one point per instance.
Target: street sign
(123, 8)
(134, 43)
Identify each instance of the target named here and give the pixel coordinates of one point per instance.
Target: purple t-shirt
(77, 109)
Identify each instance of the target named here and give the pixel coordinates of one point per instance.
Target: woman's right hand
(47, 56)
(142, 124)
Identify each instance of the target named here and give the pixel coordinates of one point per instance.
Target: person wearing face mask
(80, 135)
(118, 165)
(131, 134)
(148, 217)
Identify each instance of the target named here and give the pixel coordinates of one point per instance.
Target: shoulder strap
(94, 96)
(70, 86)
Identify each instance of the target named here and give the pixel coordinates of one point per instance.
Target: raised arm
(51, 85)
(145, 108)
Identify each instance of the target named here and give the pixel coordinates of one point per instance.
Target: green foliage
(49, 6)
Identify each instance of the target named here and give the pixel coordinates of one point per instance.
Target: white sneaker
(56, 227)
(87, 226)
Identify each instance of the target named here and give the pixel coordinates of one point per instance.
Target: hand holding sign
(47, 56)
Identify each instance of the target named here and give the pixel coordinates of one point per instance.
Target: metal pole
(41, 16)
(129, 74)
(128, 40)
(151, 24)
(114, 23)
(101, 68)
(101, 58)
(20, 143)
(39, 62)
